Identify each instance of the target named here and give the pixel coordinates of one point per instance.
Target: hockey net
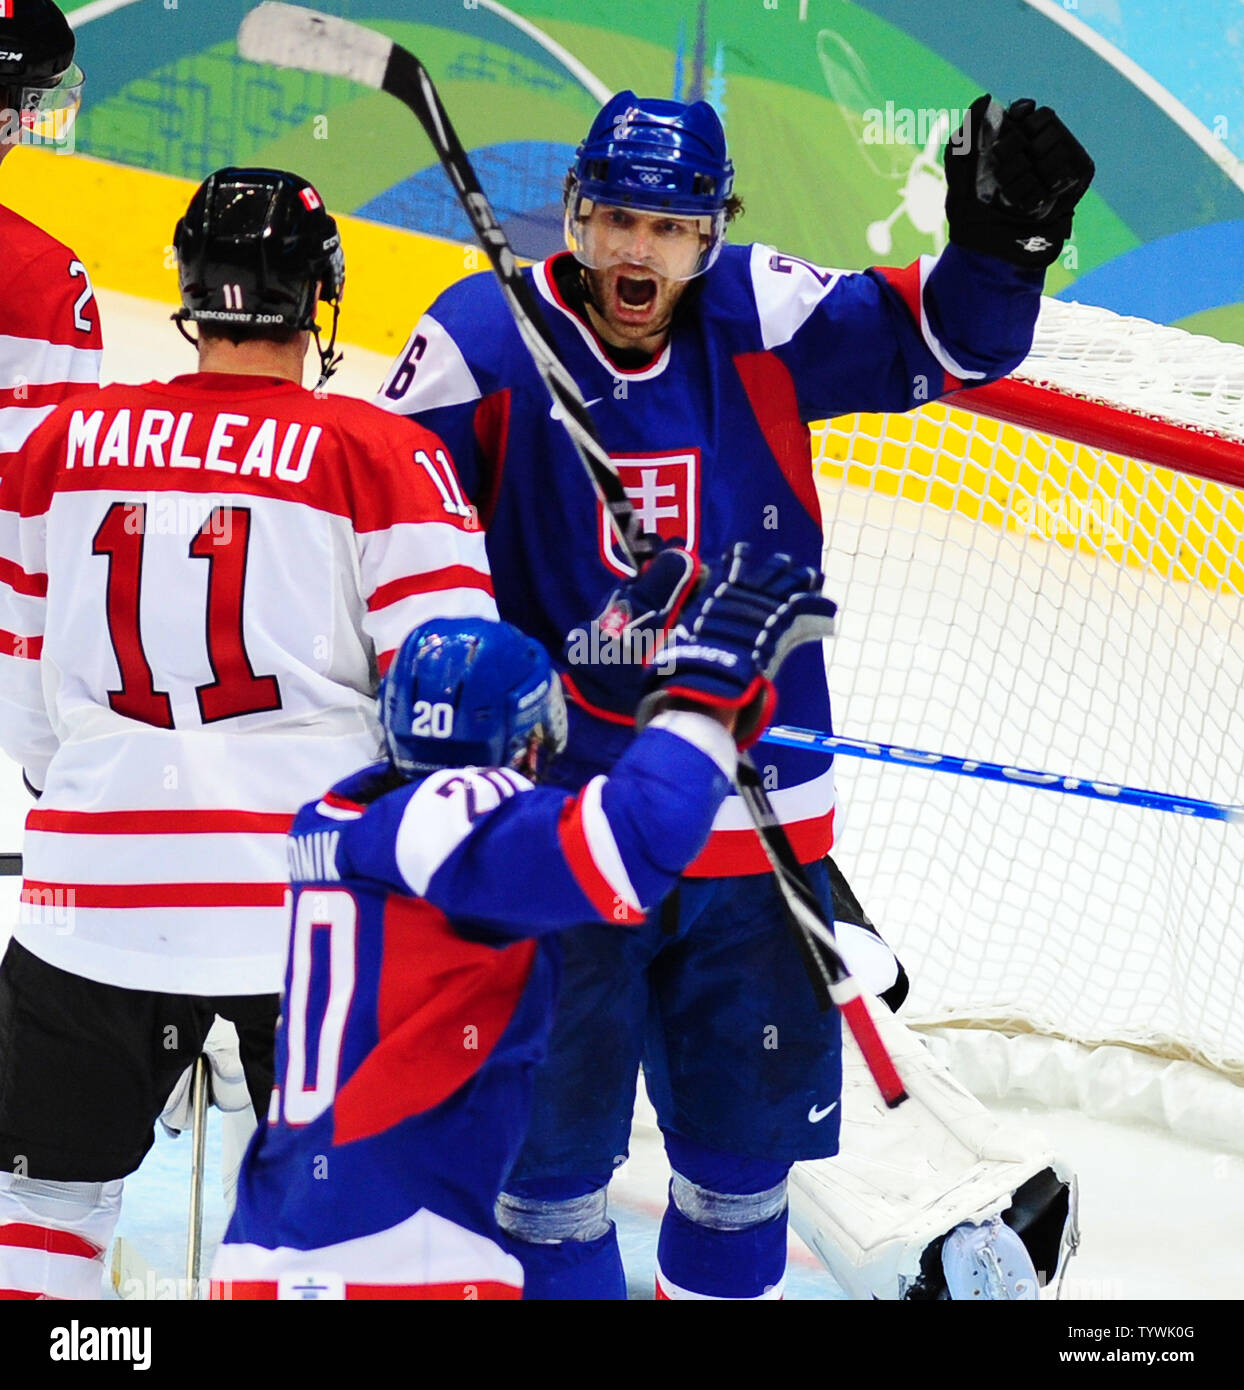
(1049, 574)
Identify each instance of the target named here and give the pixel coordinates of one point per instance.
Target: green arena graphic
(835, 110)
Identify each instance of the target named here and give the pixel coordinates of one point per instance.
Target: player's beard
(633, 307)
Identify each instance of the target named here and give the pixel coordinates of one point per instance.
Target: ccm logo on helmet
(432, 720)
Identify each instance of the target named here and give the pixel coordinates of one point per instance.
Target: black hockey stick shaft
(407, 79)
(290, 36)
(10, 864)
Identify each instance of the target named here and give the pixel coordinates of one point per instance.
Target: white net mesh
(1018, 598)
(1136, 365)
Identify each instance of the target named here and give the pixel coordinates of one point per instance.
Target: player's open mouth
(636, 295)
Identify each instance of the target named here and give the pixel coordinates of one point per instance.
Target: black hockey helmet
(257, 249)
(38, 76)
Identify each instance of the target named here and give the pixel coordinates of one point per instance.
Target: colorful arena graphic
(834, 108)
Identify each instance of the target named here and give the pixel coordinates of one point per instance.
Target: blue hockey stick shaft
(786, 737)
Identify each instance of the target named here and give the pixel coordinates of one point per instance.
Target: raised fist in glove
(1013, 178)
(728, 651)
(607, 660)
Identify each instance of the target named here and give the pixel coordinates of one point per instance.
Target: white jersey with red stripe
(423, 965)
(200, 582)
(710, 439)
(50, 347)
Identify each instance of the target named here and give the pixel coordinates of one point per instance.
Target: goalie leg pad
(53, 1236)
(878, 1213)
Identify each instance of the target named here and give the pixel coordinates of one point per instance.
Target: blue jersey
(419, 992)
(711, 441)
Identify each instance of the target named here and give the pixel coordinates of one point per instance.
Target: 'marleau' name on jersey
(157, 439)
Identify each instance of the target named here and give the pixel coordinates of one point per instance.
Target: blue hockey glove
(607, 661)
(1013, 178)
(728, 653)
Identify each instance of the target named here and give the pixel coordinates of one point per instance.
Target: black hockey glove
(1013, 179)
(606, 660)
(729, 652)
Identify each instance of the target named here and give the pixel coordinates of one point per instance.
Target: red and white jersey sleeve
(199, 582)
(50, 346)
(431, 561)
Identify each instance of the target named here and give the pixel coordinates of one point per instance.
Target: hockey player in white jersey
(203, 580)
(49, 324)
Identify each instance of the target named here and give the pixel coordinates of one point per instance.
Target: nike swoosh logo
(815, 1115)
(555, 410)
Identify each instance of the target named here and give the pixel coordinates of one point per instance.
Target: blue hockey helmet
(653, 156)
(470, 692)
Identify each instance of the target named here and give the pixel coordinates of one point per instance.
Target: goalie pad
(877, 1215)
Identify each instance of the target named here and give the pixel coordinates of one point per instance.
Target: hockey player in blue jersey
(702, 365)
(428, 892)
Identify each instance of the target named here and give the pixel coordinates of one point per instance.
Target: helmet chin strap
(328, 362)
(179, 318)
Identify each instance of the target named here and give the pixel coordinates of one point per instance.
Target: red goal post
(1049, 572)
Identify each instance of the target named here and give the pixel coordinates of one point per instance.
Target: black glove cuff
(1031, 245)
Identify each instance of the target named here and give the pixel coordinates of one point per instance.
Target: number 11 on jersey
(223, 541)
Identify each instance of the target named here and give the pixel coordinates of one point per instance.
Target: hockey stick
(194, 1224)
(10, 864)
(1094, 789)
(289, 36)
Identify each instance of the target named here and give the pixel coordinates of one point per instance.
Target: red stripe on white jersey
(437, 581)
(127, 895)
(27, 648)
(159, 822)
(46, 1262)
(33, 585)
(49, 1238)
